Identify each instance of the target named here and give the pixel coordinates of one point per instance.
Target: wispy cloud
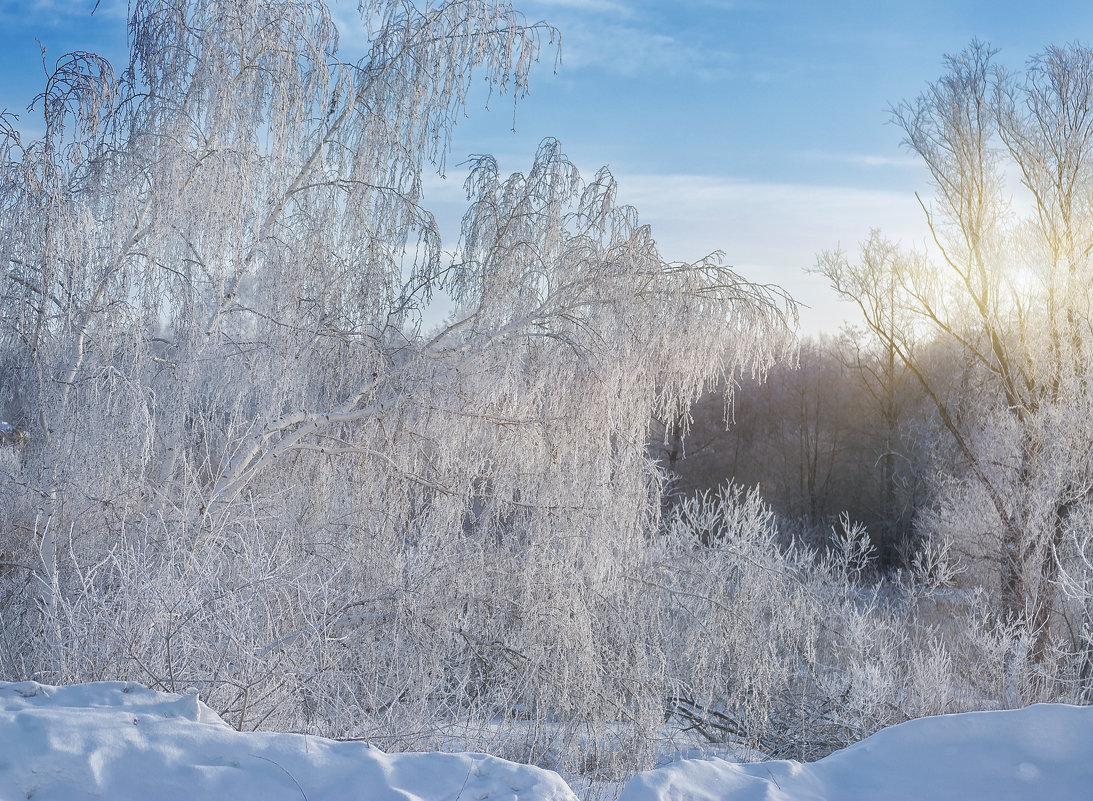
(771, 232)
(864, 159)
(629, 50)
(594, 6)
(614, 36)
(625, 38)
(787, 213)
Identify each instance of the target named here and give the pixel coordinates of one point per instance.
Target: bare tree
(1005, 295)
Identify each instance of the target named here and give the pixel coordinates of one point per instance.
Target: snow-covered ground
(1043, 752)
(122, 741)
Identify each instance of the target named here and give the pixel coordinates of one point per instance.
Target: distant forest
(820, 438)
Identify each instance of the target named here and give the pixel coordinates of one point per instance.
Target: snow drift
(124, 742)
(1041, 752)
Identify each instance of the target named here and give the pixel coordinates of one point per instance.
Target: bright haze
(756, 128)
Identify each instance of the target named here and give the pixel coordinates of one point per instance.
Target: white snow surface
(1040, 752)
(122, 741)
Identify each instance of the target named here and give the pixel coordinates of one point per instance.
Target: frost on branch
(250, 463)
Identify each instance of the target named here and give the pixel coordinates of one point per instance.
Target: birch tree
(217, 341)
(1009, 294)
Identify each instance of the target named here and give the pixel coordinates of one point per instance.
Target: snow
(1041, 752)
(122, 741)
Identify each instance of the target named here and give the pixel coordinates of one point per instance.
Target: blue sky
(755, 127)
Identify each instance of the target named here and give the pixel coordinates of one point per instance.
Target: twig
(282, 767)
(466, 779)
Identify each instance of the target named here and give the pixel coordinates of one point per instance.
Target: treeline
(820, 437)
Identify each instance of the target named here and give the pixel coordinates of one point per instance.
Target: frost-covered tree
(1008, 297)
(219, 263)
(243, 431)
